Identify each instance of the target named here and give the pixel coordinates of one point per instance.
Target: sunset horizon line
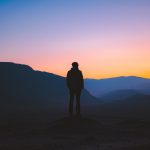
(94, 78)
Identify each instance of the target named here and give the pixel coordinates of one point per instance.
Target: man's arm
(67, 79)
(82, 81)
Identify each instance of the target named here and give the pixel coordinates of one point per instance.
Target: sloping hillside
(23, 89)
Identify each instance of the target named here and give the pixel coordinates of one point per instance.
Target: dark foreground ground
(84, 133)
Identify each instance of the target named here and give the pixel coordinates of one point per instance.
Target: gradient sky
(108, 38)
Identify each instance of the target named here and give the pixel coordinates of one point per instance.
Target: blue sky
(96, 33)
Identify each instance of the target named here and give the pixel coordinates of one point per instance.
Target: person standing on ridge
(75, 84)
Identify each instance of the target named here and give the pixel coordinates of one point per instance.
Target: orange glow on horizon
(97, 75)
(107, 39)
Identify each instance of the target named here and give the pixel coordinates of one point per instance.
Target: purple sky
(107, 37)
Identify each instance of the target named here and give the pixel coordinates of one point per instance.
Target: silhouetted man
(75, 84)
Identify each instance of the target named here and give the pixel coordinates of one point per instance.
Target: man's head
(75, 65)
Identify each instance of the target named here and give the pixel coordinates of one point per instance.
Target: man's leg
(71, 103)
(78, 94)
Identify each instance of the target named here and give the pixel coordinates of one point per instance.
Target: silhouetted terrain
(119, 95)
(24, 90)
(34, 110)
(103, 87)
(77, 134)
(122, 96)
(137, 106)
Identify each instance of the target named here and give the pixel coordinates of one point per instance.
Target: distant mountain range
(137, 106)
(117, 88)
(119, 95)
(23, 89)
(122, 96)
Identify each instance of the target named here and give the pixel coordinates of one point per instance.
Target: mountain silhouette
(132, 106)
(34, 114)
(23, 89)
(103, 87)
(136, 105)
(28, 92)
(119, 95)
